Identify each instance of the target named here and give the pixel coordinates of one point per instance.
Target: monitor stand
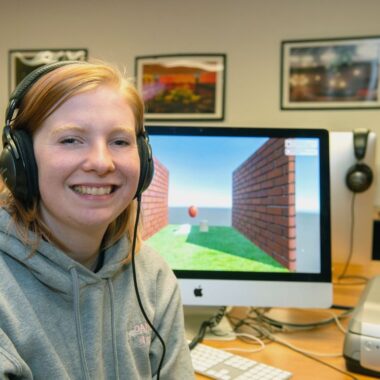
(195, 315)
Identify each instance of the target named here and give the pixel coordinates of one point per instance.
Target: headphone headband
(23, 87)
(360, 142)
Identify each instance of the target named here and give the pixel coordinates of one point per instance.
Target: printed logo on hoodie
(140, 334)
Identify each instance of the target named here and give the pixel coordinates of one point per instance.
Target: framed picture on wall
(339, 73)
(22, 62)
(182, 86)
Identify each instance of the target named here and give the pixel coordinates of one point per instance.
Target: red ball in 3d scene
(193, 211)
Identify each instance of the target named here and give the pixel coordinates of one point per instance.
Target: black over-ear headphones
(18, 166)
(359, 176)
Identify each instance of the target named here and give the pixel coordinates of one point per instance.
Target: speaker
(359, 177)
(18, 166)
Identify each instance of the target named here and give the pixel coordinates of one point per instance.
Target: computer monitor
(242, 215)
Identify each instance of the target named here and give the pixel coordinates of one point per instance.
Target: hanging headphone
(18, 166)
(359, 176)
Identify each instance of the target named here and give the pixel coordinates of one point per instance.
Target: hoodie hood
(52, 266)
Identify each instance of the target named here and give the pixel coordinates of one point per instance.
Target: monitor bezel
(323, 136)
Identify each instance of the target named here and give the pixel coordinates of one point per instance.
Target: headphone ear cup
(359, 177)
(19, 168)
(146, 164)
(17, 162)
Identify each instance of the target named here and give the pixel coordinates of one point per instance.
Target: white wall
(248, 31)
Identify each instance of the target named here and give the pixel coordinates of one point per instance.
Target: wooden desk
(327, 339)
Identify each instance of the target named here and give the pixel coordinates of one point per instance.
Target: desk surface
(327, 339)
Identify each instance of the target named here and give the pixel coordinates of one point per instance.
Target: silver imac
(242, 215)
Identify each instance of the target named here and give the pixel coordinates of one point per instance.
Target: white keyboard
(222, 365)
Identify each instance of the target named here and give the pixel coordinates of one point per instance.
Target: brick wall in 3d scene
(155, 211)
(263, 205)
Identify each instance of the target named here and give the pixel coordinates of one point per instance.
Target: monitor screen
(242, 215)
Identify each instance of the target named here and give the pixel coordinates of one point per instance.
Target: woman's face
(88, 162)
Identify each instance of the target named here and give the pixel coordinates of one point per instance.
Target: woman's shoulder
(153, 262)
(8, 230)
(5, 218)
(150, 256)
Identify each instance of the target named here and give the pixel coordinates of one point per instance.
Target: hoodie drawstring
(78, 324)
(76, 293)
(113, 329)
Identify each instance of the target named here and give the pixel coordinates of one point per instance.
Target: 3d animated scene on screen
(233, 204)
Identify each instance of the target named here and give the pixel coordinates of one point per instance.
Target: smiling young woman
(74, 163)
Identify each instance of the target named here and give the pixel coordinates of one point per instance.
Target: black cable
(200, 335)
(250, 323)
(218, 316)
(351, 246)
(362, 279)
(341, 307)
(137, 289)
(260, 320)
(210, 323)
(311, 325)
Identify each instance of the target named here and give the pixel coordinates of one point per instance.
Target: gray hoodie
(59, 320)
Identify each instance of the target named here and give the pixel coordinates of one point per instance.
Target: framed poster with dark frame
(182, 86)
(334, 73)
(22, 62)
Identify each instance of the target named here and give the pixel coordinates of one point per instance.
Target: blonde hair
(45, 96)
